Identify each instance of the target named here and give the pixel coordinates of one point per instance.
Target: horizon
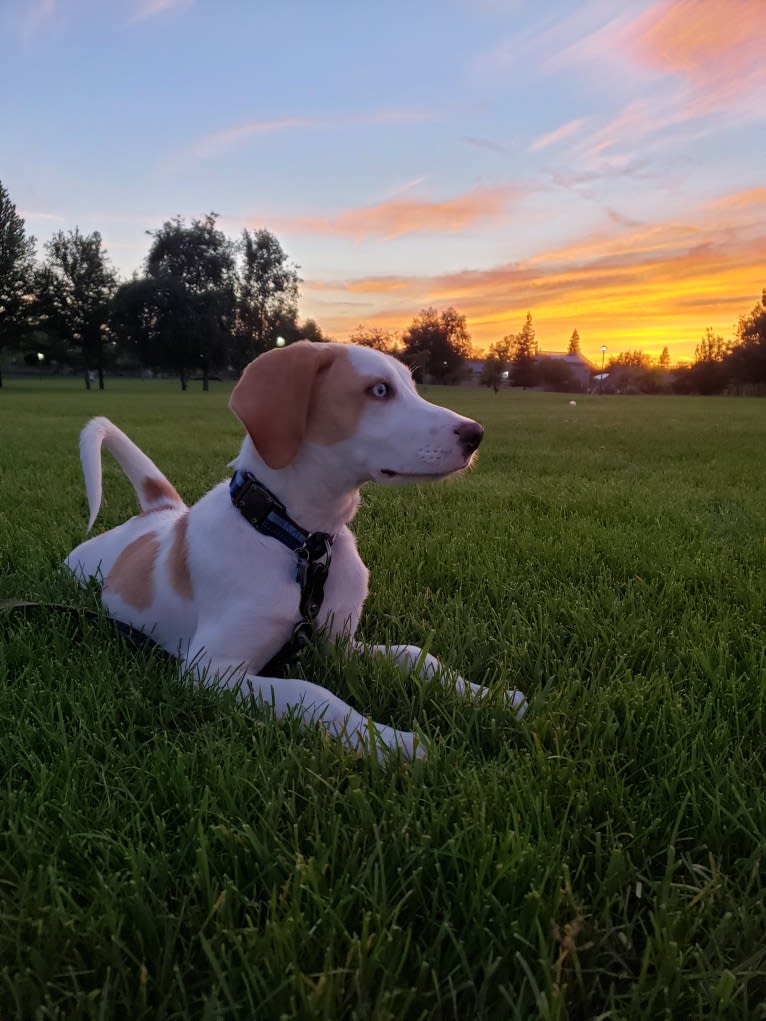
(598, 164)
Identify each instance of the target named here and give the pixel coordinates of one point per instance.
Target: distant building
(580, 368)
(472, 369)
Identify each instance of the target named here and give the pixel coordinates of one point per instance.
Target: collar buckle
(253, 500)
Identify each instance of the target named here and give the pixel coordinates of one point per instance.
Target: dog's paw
(517, 701)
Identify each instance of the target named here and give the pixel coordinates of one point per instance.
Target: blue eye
(380, 391)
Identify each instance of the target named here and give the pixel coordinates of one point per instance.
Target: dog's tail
(153, 490)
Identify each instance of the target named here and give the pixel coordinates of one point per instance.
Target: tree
(16, 266)
(709, 373)
(74, 291)
(437, 344)
(664, 360)
(747, 358)
(556, 374)
(267, 293)
(188, 304)
(503, 349)
(310, 330)
(574, 344)
(155, 321)
(630, 360)
(375, 337)
(712, 348)
(524, 370)
(492, 372)
(496, 365)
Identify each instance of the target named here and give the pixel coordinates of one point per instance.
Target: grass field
(167, 853)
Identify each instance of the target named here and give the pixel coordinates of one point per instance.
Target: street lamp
(601, 377)
(281, 341)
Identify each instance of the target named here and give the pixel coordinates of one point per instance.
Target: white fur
(244, 601)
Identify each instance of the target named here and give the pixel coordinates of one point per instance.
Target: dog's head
(358, 403)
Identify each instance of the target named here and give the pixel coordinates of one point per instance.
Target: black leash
(313, 551)
(77, 614)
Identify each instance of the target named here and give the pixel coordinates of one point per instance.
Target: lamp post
(601, 377)
(281, 342)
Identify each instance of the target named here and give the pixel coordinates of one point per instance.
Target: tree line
(202, 302)
(205, 304)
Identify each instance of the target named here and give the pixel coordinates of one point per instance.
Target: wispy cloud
(718, 47)
(486, 143)
(217, 142)
(741, 200)
(32, 214)
(230, 138)
(399, 216)
(147, 9)
(560, 134)
(37, 16)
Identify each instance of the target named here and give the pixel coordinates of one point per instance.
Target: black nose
(470, 434)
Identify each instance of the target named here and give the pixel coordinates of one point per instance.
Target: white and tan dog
(321, 420)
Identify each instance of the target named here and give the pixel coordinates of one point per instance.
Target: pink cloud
(230, 138)
(560, 134)
(153, 8)
(741, 200)
(399, 216)
(713, 44)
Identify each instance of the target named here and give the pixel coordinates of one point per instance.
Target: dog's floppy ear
(273, 396)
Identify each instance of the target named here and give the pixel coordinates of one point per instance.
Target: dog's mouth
(386, 473)
(389, 473)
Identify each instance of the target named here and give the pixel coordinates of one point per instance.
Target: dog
(224, 584)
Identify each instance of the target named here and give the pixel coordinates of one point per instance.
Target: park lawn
(168, 853)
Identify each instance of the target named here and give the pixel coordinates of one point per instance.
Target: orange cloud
(705, 41)
(742, 199)
(652, 286)
(716, 49)
(399, 216)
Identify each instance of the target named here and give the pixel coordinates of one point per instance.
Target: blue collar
(268, 515)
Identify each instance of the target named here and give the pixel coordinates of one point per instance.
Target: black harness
(313, 551)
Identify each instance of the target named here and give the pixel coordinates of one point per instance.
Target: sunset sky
(600, 164)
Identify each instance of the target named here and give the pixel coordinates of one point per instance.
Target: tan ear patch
(178, 559)
(273, 398)
(132, 574)
(337, 403)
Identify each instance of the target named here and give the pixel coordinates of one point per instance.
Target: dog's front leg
(412, 659)
(311, 703)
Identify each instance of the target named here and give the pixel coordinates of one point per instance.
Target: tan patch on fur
(132, 574)
(178, 559)
(156, 490)
(338, 401)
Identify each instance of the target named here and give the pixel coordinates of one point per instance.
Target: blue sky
(600, 164)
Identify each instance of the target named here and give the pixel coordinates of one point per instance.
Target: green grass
(167, 853)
